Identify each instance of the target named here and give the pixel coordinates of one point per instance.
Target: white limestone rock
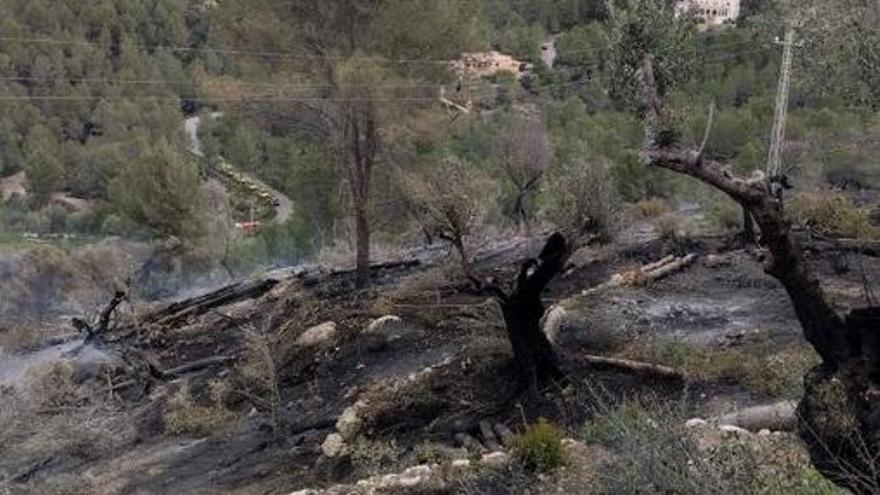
(318, 336)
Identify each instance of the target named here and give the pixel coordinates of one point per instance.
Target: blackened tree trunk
(535, 359)
(748, 231)
(839, 414)
(363, 143)
(362, 246)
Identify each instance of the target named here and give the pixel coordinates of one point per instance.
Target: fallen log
(637, 367)
(196, 365)
(775, 417)
(181, 311)
(389, 265)
(646, 274)
(669, 268)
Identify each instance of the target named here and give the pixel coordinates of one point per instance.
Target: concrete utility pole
(774, 160)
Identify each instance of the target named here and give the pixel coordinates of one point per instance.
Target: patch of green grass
(775, 372)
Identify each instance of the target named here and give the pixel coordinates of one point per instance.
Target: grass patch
(651, 207)
(778, 373)
(652, 452)
(184, 416)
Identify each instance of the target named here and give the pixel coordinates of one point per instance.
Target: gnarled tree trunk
(535, 359)
(839, 415)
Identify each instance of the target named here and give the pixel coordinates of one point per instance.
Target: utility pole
(777, 137)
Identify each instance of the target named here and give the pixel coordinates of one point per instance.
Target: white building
(712, 12)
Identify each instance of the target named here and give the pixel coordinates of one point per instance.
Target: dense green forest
(94, 95)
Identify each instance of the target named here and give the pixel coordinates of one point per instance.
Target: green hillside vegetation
(95, 93)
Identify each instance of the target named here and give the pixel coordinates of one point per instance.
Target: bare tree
(450, 200)
(525, 155)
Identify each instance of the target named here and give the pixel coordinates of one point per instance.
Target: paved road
(283, 204)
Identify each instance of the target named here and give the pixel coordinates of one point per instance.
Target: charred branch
(103, 324)
(196, 306)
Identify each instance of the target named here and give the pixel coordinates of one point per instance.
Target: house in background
(712, 12)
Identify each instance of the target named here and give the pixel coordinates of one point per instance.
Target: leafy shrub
(832, 214)
(540, 448)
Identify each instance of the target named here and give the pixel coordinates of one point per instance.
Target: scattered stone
(489, 439)
(764, 432)
(461, 463)
(695, 422)
(381, 332)
(349, 423)
(553, 322)
(505, 434)
(733, 430)
(317, 336)
(495, 459)
(333, 445)
(469, 442)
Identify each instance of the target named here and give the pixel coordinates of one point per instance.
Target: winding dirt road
(283, 204)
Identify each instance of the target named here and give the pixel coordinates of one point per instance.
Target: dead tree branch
(103, 321)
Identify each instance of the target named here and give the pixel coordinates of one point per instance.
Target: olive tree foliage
(839, 48)
(450, 199)
(525, 155)
(637, 27)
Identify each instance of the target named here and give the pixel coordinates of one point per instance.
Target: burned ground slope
(416, 360)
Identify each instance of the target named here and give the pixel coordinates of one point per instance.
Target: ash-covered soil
(438, 371)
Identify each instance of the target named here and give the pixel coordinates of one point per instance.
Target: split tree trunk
(535, 359)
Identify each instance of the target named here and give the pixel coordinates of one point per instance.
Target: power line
(250, 53)
(303, 86)
(259, 53)
(149, 82)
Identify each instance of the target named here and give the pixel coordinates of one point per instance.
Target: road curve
(283, 204)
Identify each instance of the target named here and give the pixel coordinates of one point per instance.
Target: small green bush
(540, 448)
